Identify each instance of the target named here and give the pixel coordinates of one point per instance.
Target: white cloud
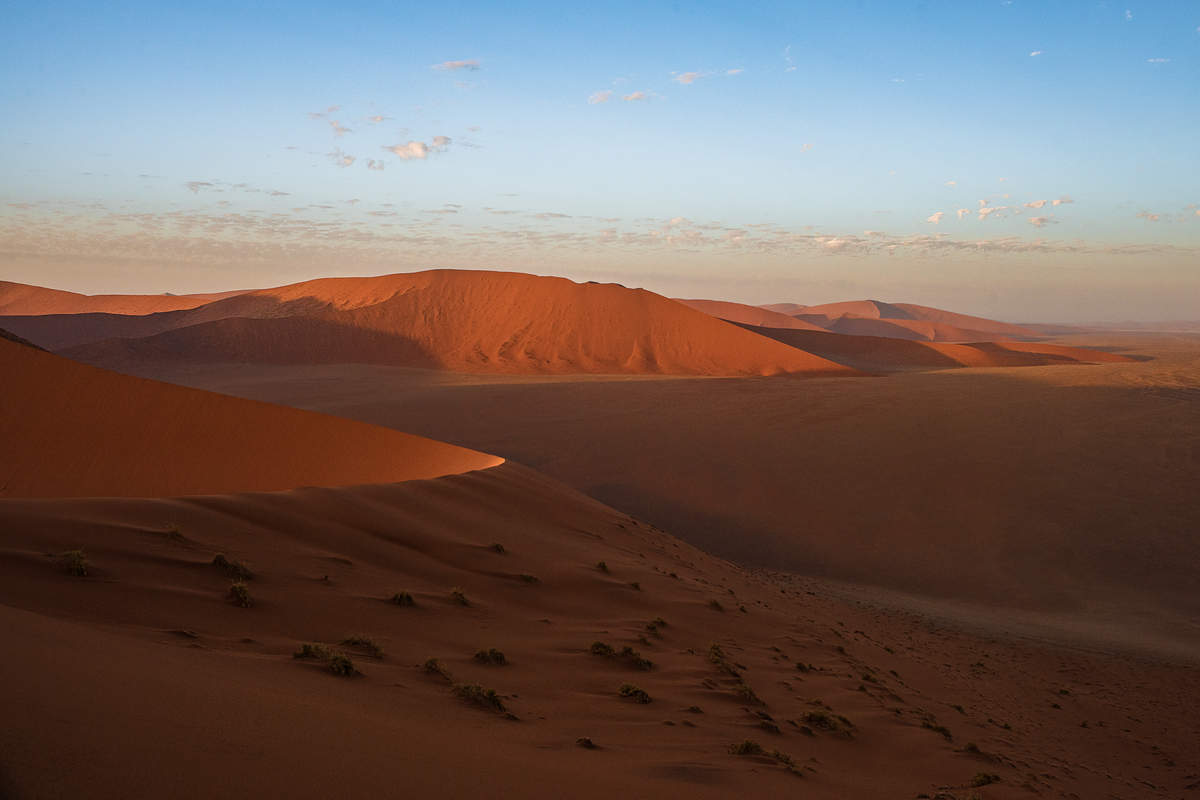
(1157, 60)
(1041, 222)
(471, 64)
(375, 120)
(952, 183)
(936, 217)
(962, 212)
(415, 150)
(804, 148)
(603, 96)
(1128, 15)
(1036, 53)
(1036, 204)
(1062, 201)
(638, 95)
(689, 77)
(341, 159)
(338, 128)
(375, 165)
(737, 71)
(195, 186)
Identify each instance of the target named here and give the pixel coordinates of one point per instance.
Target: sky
(1033, 161)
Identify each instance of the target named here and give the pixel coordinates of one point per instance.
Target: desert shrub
(826, 721)
(716, 605)
(599, 648)
(317, 651)
(365, 643)
(743, 690)
(435, 667)
(75, 563)
(804, 667)
(234, 569)
(633, 693)
(458, 596)
(586, 743)
(717, 656)
(658, 622)
(403, 599)
(240, 594)
(524, 578)
(694, 710)
(490, 656)
(498, 548)
(984, 778)
(602, 566)
(635, 585)
(340, 664)
(635, 658)
(479, 695)
(932, 725)
(746, 747)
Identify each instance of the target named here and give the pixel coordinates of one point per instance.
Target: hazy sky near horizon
(1025, 160)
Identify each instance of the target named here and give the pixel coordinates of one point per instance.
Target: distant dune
(749, 315)
(22, 299)
(899, 321)
(471, 321)
(784, 308)
(883, 354)
(70, 430)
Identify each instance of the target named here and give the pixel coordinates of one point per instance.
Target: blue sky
(797, 152)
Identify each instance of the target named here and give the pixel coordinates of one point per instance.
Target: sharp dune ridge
(73, 430)
(18, 299)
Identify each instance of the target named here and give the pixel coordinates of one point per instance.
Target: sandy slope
(72, 430)
(142, 679)
(22, 299)
(449, 319)
(888, 354)
(749, 315)
(1068, 489)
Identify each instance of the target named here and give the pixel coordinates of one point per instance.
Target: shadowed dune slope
(470, 321)
(882, 354)
(142, 678)
(22, 299)
(71, 430)
(784, 308)
(748, 315)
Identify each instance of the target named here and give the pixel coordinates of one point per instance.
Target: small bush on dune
(403, 599)
(234, 569)
(602, 566)
(491, 656)
(336, 661)
(601, 649)
(984, 778)
(239, 593)
(318, 651)
(525, 578)
(435, 667)
(341, 665)
(633, 693)
(716, 605)
(75, 563)
(480, 696)
(746, 747)
(365, 643)
(498, 548)
(458, 596)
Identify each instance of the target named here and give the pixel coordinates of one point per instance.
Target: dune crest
(71, 430)
(469, 321)
(26, 300)
(750, 315)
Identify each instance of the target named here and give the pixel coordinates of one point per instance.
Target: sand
(70, 430)
(448, 319)
(749, 315)
(22, 299)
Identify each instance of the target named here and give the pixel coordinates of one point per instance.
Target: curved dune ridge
(22, 299)
(885, 354)
(749, 315)
(470, 321)
(71, 430)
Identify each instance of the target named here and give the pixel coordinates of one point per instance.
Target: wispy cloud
(804, 148)
(375, 165)
(689, 77)
(1157, 60)
(936, 217)
(470, 64)
(1146, 215)
(1062, 201)
(602, 96)
(1128, 15)
(962, 212)
(1035, 203)
(952, 183)
(1041, 222)
(338, 128)
(737, 71)
(195, 186)
(638, 95)
(341, 159)
(1036, 53)
(787, 58)
(376, 119)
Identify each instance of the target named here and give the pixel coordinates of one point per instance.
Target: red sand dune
(471, 321)
(883, 354)
(784, 308)
(21, 299)
(907, 321)
(749, 315)
(70, 430)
